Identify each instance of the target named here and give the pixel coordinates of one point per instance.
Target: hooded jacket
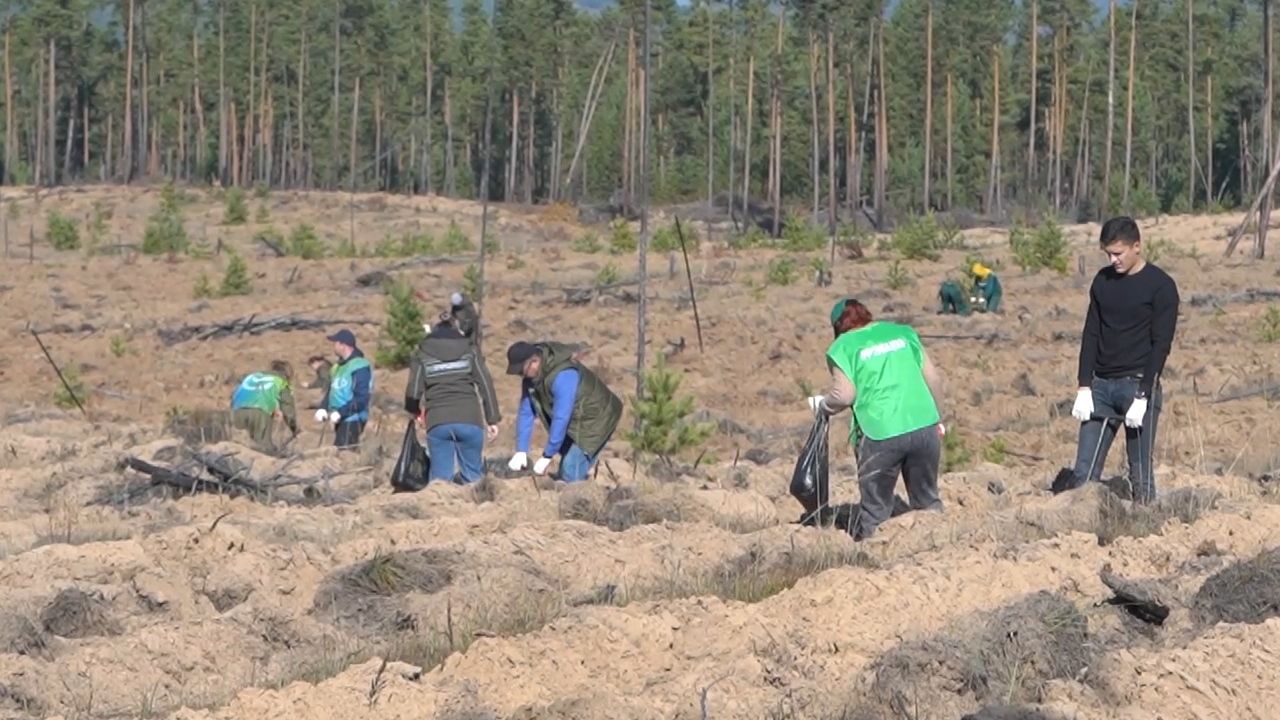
(448, 380)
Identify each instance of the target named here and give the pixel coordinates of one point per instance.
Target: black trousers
(347, 433)
(916, 456)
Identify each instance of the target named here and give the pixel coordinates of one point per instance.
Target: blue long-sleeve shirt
(564, 391)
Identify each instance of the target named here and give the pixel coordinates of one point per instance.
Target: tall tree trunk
(1105, 202)
(105, 171)
(993, 172)
(51, 116)
(1059, 107)
(928, 106)
(851, 152)
(733, 114)
(355, 121)
(882, 129)
(222, 94)
(1268, 151)
(1128, 110)
(38, 167)
(509, 194)
(832, 206)
(84, 123)
(594, 91)
(262, 132)
(197, 105)
(1035, 60)
(1191, 109)
(1209, 199)
(298, 176)
(815, 168)
(10, 131)
(450, 180)
(711, 107)
(629, 131)
(126, 161)
(428, 161)
(748, 121)
(951, 178)
(1080, 177)
(777, 137)
(529, 142)
(866, 111)
(337, 94)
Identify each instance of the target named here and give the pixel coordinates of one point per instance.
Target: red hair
(855, 315)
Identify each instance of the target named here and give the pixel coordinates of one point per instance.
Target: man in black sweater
(1128, 331)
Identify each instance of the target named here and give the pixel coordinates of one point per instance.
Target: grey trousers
(916, 455)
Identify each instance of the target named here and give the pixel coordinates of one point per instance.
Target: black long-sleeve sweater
(1129, 328)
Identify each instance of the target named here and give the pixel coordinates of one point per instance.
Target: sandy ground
(642, 594)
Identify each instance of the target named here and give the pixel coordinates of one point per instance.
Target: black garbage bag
(410, 471)
(809, 481)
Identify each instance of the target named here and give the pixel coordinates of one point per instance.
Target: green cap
(838, 309)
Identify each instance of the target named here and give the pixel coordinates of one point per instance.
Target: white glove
(818, 404)
(1137, 411)
(334, 417)
(519, 461)
(1083, 409)
(322, 415)
(540, 467)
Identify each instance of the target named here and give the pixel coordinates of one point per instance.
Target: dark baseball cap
(517, 355)
(344, 336)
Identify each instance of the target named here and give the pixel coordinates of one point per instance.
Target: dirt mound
(1010, 655)
(1009, 712)
(74, 613)
(364, 595)
(1245, 592)
(1116, 519)
(625, 507)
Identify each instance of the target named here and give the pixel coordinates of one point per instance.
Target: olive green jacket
(596, 410)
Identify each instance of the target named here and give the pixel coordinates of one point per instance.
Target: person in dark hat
(579, 411)
(350, 390)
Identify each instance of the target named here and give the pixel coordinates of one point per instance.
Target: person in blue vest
(260, 398)
(350, 391)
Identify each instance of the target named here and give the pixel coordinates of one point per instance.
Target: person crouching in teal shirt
(350, 391)
(262, 397)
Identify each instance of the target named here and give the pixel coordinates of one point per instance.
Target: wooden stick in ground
(1257, 201)
(693, 297)
(58, 370)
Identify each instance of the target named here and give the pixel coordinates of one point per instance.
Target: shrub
(455, 241)
(119, 346)
(263, 215)
(304, 243)
(918, 239)
(667, 239)
(782, 271)
(98, 225)
(403, 328)
(272, 238)
(621, 239)
(62, 232)
(471, 282)
(665, 430)
(1269, 326)
(608, 275)
(802, 236)
(949, 237)
(955, 453)
(237, 210)
(261, 191)
(203, 288)
(165, 232)
(587, 243)
(64, 399)
(996, 452)
(897, 278)
(1045, 248)
(236, 279)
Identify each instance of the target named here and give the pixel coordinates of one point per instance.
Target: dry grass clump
(74, 613)
(1005, 658)
(1244, 592)
(1115, 519)
(622, 507)
(364, 595)
(201, 426)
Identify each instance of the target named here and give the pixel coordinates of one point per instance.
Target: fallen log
(251, 325)
(1266, 391)
(984, 337)
(377, 277)
(190, 483)
(1141, 600)
(1251, 295)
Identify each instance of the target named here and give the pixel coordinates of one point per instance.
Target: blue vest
(342, 387)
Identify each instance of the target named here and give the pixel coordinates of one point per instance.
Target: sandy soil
(644, 593)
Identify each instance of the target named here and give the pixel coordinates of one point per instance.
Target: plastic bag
(410, 471)
(809, 481)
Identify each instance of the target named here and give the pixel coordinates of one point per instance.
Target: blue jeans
(460, 439)
(1111, 399)
(575, 464)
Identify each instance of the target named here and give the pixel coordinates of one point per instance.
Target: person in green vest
(350, 391)
(881, 371)
(579, 411)
(260, 398)
(987, 292)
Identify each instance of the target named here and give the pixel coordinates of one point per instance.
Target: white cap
(456, 299)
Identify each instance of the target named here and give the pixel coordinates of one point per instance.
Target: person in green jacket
(881, 371)
(260, 398)
(987, 292)
(951, 299)
(579, 411)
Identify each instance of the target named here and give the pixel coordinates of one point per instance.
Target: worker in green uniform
(987, 292)
(881, 371)
(952, 299)
(260, 398)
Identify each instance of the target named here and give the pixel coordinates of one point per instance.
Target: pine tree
(665, 429)
(403, 329)
(236, 280)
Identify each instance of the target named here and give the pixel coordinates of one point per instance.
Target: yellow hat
(980, 270)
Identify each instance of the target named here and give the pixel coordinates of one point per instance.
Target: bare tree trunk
(1080, 178)
(127, 160)
(1269, 153)
(1191, 108)
(38, 168)
(993, 172)
(450, 180)
(1209, 138)
(628, 132)
(815, 168)
(1035, 60)
(1104, 205)
(51, 116)
(197, 104)
(355, 121)
(222, 94)
(1060, 118)
(748, 121)
(84, 118)
(592, 101)
(377, 136)
(711, 107)
(1128, 110)
(10, 131)
(528, 143)
(337, 94)
(66, 148)
(428, 149)
(832, 205)
(882, 129)
(298, 170)
(928, 105)
(509, 192)
(951, 178)
(866, 111)
(105, 170)
(777, 137)
(643, 268)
